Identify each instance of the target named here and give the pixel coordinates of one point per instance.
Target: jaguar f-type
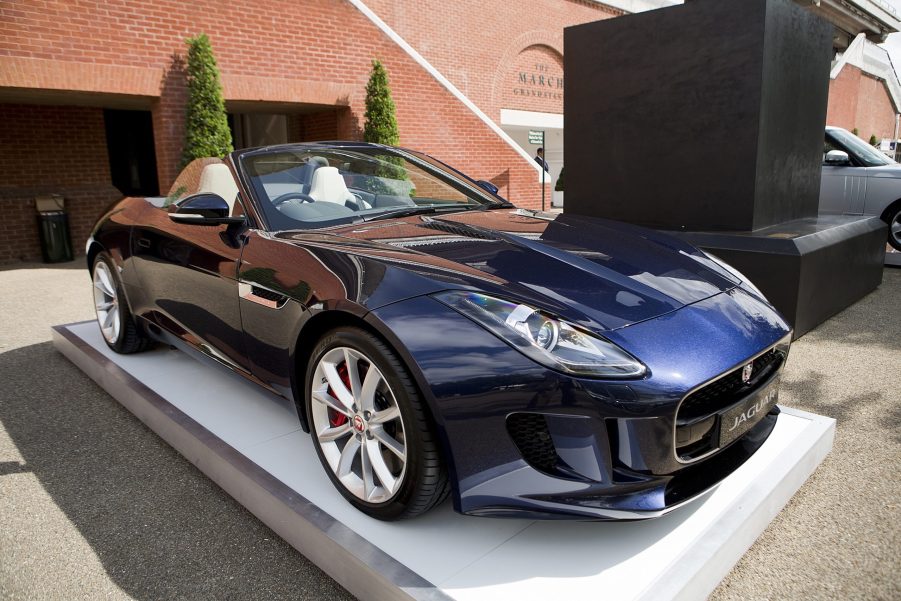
(439, 341)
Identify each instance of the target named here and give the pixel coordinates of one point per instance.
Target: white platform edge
(365, 570)
(733, 534)
(368, 572)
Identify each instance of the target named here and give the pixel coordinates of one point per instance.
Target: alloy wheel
(357, 424)
(106, 302)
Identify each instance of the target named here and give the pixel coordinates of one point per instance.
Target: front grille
(697, 421)
(533, 439)
(725, 391)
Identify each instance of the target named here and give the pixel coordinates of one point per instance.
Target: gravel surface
(94, 505)
(840, 536)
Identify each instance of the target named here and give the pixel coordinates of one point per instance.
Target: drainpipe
(897, 121)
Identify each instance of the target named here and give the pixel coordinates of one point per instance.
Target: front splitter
(249, 442)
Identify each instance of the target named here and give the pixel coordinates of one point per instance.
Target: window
(304, 187)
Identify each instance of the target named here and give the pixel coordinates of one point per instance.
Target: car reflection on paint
(438, 341)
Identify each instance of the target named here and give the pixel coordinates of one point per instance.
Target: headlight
(744, 282)
(551, 342)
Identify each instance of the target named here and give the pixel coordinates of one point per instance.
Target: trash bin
(53, 226)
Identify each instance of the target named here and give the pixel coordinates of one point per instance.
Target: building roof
(637, 6)
(875, 18)
(873, 60)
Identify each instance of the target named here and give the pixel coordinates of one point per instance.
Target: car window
(860, 152)
(309, 187)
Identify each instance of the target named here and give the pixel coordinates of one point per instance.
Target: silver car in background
(860, 180)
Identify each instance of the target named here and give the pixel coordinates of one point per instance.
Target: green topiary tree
(381, 125)
(206, 123)
(854, 131)
(559, 186)
(873, 140)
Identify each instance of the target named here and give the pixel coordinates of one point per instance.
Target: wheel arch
(94, 249)
(320, 323)
(311, 331)
(890, 210)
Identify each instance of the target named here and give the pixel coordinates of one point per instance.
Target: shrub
(559, 186)
(873, 140)
(381, 125)
(206, 123)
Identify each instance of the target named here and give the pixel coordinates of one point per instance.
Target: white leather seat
(217, 179)
(328, 186)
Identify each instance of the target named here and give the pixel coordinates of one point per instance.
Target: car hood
(892, 170)
(601, 274)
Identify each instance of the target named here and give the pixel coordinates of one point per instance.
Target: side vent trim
(261, 296)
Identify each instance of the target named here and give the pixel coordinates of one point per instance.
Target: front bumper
(607, 449)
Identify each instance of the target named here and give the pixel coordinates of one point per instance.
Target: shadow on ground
(870, 321)
(161, 529)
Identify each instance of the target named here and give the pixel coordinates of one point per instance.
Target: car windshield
(305, 187)
(857, 148)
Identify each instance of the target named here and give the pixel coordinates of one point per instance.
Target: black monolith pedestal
(708, 117)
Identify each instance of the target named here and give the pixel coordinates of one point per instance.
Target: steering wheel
(282, 198)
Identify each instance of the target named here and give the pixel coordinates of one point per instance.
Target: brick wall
(50, 149)
(53, 145)
(474, 47)
(320, 126)
(875, 114)
(300, 51)
(304, 53)
(533, 81)
(857, 100)
(843, 91)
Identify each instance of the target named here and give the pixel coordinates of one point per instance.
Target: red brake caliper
(336, 419)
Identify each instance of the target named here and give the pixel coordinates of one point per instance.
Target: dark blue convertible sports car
(437, 340)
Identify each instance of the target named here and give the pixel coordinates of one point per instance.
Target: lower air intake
(530, 433)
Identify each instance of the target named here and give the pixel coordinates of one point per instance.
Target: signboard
(536, 137)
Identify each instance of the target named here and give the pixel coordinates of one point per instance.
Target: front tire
(893, 219)
(370, 429)
(119, 330)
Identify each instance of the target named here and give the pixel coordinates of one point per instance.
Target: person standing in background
(539, 158)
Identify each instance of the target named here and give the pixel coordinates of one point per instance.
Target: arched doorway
(530, 96)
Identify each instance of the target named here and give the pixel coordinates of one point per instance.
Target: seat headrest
(313, 163)
(217, 179)
(328, 186)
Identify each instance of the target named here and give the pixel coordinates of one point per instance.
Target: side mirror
(488, 186)
(837, 157)
(203, 209)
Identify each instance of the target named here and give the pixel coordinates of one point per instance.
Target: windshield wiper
(407, 211)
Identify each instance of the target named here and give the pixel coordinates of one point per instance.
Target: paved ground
(94, 505)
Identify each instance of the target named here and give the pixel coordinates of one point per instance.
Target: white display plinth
(249, 442)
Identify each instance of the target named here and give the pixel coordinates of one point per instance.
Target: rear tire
(370, 429)
(117, 325)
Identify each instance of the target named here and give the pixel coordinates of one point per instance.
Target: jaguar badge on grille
(746, 372)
